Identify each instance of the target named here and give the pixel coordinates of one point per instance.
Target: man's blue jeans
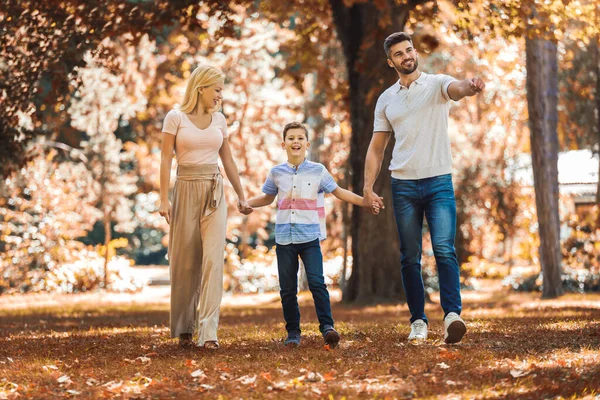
(287, 265)
(433, 198)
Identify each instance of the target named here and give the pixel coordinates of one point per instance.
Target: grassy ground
(104, 346)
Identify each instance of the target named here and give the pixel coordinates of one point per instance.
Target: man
(416, 110)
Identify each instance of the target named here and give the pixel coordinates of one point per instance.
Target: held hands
(375, 207)
(165, 211)
(373, 201)
(244, 207)
(476, 85)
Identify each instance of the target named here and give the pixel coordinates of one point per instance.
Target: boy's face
(295, 143)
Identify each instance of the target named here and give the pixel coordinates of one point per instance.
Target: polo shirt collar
(292, 166)
(420, 80)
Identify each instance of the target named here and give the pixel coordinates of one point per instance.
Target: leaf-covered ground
(104, 346)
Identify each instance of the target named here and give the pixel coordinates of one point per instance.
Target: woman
(198, 216)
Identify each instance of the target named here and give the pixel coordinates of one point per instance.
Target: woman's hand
(165, 211)
(244, 207)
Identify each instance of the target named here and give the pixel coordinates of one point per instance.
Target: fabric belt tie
(203, 172)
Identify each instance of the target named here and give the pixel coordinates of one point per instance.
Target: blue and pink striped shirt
(300, 201)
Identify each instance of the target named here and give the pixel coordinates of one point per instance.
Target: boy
(300, 226)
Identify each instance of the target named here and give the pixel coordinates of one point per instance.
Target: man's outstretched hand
(476, 85)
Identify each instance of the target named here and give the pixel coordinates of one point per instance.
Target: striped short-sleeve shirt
(300, 201)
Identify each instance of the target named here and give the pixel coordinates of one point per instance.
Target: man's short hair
(294, 125)
(394, 38)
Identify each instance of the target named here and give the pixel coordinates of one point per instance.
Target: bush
(574, 281)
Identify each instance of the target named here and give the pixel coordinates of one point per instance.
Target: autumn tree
(97, 107)
(42, 43)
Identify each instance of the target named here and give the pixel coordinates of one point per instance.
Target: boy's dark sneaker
(293, 339)
(331, 336)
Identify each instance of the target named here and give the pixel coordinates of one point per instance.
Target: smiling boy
(300, 185)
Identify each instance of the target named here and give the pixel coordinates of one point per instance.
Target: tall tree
(99, 105)
(361, 29)
(542, 25)
(542, 90)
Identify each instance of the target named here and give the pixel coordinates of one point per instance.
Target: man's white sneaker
(454, 328)
(418, 330)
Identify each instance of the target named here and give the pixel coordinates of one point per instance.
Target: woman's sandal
(185, 341)
(211, 345)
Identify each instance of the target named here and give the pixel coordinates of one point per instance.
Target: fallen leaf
(207, 387)
(450, 383)
(266, 376)
(446, 354)
(73, 392)
(189, 363)
(63, 379)
(329, 376)
(141, 380)
(224, 376)
(8, 386)
(517, 373)
(198, 374)
(246, 379)
(314, 377)
(113, 385)
(47, 367)
(91, 382)
(278, 386)
(443, 365)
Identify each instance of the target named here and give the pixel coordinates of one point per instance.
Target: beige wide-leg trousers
(196, 248)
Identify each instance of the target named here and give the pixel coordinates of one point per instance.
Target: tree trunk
(107, 239)
(596, 55)
(376, 275)
(542, 88)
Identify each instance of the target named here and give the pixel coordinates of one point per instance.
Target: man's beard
(406, 71)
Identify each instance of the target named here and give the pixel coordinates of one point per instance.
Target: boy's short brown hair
(294, 125)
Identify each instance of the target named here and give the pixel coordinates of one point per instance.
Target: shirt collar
(420, 80)
(292, 166)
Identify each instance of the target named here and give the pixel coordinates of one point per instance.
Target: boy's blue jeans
(433, 198)
(287, 265)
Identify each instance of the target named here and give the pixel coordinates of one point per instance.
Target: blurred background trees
(85, 87)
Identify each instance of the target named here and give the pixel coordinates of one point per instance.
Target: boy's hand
(375, 208)
(244, 208)
(369, 198)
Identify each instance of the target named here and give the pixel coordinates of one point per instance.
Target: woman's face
(211, 96)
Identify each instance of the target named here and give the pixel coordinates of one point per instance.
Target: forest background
(86, 86)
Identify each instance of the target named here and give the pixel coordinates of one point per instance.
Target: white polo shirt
(418, 116)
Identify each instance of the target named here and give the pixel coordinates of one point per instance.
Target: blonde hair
(203, 76)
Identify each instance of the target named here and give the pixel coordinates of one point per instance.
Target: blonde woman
(198, 135)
